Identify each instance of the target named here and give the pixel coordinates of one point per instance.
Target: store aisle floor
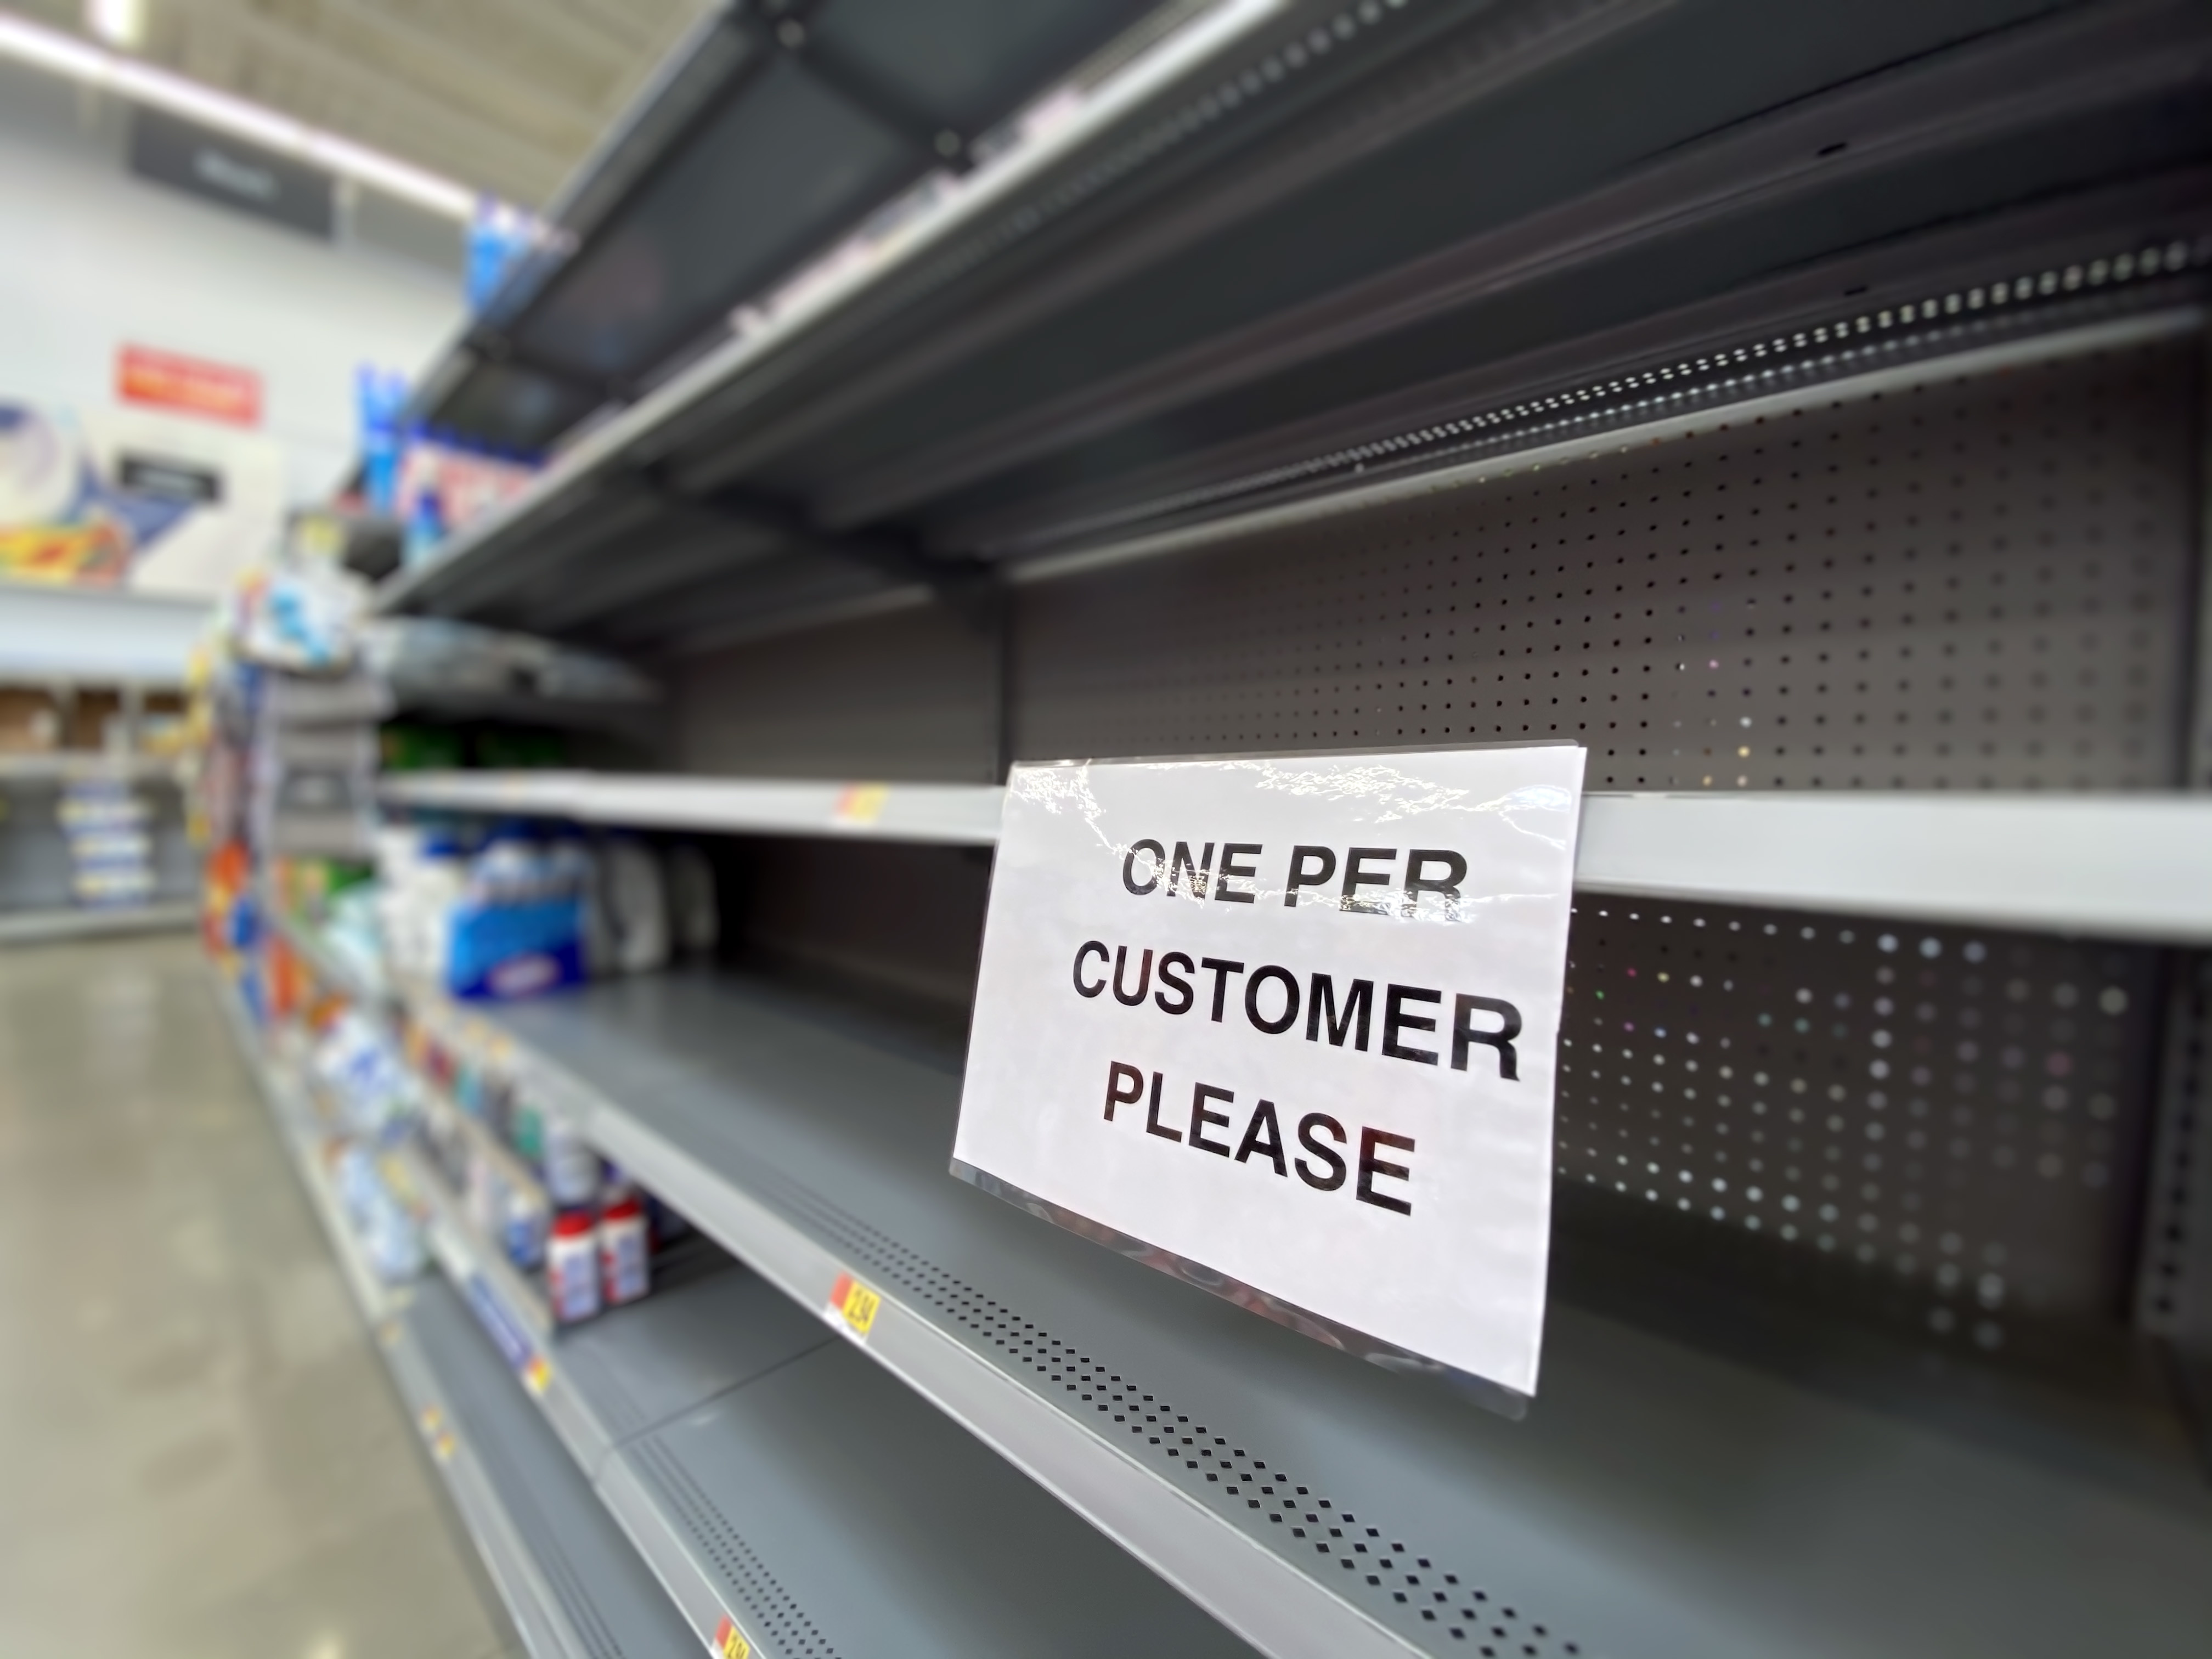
(199, 1452)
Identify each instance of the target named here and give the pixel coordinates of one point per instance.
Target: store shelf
(827, 1475)
(51, 632)
(1640, 1508)
(764, 1469)
(300, 1127)
(962, 814)
(50, 926)
(773, 1478)
(337, 970)
(569, 1578)
(951, 208)
(58, 766)
(2118, 866)
(1178, 301)
(508, 1302)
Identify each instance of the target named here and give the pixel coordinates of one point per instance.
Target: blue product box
(501, 950)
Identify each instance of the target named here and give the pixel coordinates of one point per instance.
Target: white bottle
(572, 1267)
(624, 1272)
(572, 1168)
(637, 904)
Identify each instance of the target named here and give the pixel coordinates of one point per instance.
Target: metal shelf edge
(53, 926)
(1251, 1590)
(529, 1601)
(2120, 866)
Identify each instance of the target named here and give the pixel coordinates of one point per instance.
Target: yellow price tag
(537, 1375)
(730, 1641)
(443, 1446)
(862, 803)
(854, 1303)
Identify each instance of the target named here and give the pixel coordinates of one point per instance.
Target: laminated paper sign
(1291, 1022)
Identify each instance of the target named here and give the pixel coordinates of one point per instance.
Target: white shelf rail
(2136, 867)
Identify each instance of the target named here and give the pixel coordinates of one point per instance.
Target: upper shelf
(64, 765)
(771, 132)
(1262, 263)
(959, 813)
(96, 635)
(2116, 867)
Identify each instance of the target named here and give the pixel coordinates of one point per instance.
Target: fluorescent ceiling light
(96, 66)
(118, 22)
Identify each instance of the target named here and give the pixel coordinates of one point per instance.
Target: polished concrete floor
(199, 1452)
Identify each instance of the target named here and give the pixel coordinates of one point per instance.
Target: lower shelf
(574, 1587)
(44, 926)
(570, 1580)
(719, 1440)
(1658, 1500)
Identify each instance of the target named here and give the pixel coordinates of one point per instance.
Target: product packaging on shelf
(572, 1267)
(387, 1230)
(111, 849)
(625, 1270)
(354, 1063)
(572, 1168)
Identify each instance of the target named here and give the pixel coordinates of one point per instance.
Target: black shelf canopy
(776, 130)
(1351, 239)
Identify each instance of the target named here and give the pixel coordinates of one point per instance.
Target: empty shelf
(1658, 1500)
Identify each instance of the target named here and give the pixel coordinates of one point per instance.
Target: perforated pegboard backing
(1943, 1126)
(1978, 583)
(902, 697)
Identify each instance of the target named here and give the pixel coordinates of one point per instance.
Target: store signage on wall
(162, 379)
(148, 493)
(171, 480)
(219, 167)
(1292, 1023)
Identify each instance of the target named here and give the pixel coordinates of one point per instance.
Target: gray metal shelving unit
(569, 1578)
(772, 1480)
(2120, 866)
(1318, 1503)
(1809, 418)
(562, 1565)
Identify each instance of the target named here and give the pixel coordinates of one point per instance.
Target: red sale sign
(163, 379)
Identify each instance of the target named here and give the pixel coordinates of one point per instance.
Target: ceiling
(504, 95)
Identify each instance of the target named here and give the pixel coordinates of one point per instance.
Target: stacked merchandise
(111, 846)
(518, 911)
(530, 1185)
(522, 910)
(353, 1064)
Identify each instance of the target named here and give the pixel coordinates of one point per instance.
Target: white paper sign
(1296, 1020)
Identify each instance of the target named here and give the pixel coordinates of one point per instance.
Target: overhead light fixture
(120, 22)
(110, 71)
